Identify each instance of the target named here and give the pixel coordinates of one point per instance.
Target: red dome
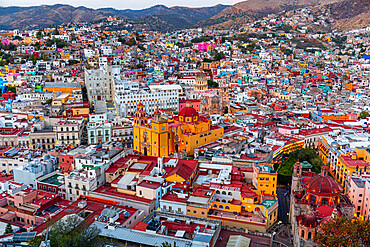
(188, 111)
(309, 220)
(323, 185)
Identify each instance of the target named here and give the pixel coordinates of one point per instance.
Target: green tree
(364, 114)
(342, 231)
(167, 244)
(39, 34)
(12, 89)
(212, 83)
(69, 232)
(8, 229)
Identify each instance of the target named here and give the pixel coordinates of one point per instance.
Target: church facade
(180, 134)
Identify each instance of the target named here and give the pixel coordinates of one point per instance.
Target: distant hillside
(242, 12)
(180, 17)
(350, 14)
(48, 15)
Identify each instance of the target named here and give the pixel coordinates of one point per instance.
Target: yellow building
(163, 137)
(324, 150)
(252, 210)
(264, 179)
(199, 203)
(30, 40)
(363, 153)
(64, 55)
(347, 166)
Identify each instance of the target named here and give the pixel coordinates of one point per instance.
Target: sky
(119, 4)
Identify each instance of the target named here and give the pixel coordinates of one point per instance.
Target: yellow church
(180, 134)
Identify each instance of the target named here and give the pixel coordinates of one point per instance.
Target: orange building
(180, 134)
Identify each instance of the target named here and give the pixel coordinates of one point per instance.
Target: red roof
(141, 226)
(188, 111)
(248, 193)
(174, 198)
(323, 185)
(324, 211)
(354, 162)
(184, 169)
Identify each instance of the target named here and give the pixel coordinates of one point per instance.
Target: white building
(98, 128)
(28, 173)
(82, 182)
(69, 132)
(99, 83)
(126, 98)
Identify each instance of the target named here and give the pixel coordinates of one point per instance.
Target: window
(227, 208)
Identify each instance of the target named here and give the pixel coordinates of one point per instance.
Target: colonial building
(315, 197)
(181, 134)
(98, 128)
(122, 132)
(69, 132)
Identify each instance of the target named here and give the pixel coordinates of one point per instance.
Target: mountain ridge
(49, 15)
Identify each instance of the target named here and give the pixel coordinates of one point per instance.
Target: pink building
(193, 103)
(204, 47)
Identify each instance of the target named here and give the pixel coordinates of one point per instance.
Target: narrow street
(282, 228)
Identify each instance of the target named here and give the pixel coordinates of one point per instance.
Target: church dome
(201, 75)
(323, 185)
(188, 111)
(309, 220)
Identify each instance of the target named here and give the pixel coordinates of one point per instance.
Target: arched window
(313, 198)
(227, 208)
(224, 192)
(214, 206)
(223, 200)
(217, 199)
(230, 193)
(220, 207)
(217, 192)
(324, 201)
(309, 235)
(302, 233)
